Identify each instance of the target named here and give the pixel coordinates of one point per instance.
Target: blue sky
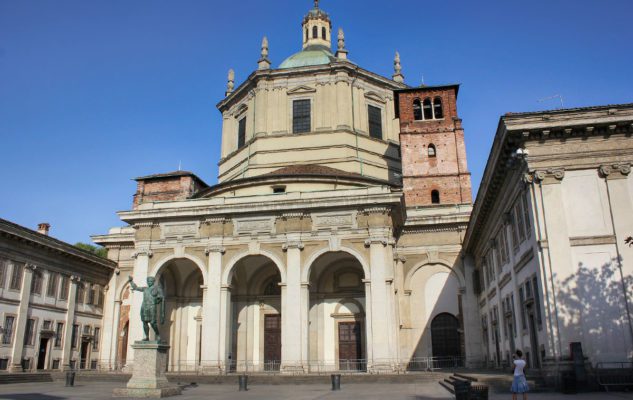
(94, 93)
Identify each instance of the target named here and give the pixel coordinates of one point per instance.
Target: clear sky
(96, 92)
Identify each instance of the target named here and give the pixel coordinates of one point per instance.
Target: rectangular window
(4, 364)
(51, 289)
(95, 342)
(74, 337)
(81, 294)
(375, 122)
(55, 364)
(93, 364)
(59, 334)
(241, 133)
(514, 325)
(46, 325)
(537, 302)
(526, 216)
(8, 329)
(503, 245)
(301, 116)
(63, 293)
(522, 300)
(91, 295)
(100, 296)
(29, 335)
(16, 277)
(4, 265)
(518, 216)
(36, 283)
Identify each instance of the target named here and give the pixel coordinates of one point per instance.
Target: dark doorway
(535, 362)
(350, 351)
(41, 356)
(272, 342)
(84, 354)
(445, 339)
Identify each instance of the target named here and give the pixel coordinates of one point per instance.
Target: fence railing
(318, 367)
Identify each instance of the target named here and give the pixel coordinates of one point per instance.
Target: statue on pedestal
(153, 297)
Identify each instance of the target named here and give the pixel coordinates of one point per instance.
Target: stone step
(447, 387)
(24, 377)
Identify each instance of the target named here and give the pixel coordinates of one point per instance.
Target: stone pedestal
(148, 373)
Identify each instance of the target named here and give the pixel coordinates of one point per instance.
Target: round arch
(163, 262)
(231, 264)
(442, 263)
(121, 291)
(307, 267)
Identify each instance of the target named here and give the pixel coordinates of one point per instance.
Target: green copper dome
(311, 55)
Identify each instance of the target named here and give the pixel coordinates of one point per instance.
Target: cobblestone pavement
(103, 390)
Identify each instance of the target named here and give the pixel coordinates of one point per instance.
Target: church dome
(311, 55)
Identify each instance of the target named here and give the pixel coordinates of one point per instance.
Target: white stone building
(332, 239)
(547, 238)
(51, 301)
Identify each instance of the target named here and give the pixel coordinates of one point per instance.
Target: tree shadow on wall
(592, 310)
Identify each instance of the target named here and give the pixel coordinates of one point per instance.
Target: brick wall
(166, 188)
(447, 172)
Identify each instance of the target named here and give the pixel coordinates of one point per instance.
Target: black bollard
(70, 378)
(462, 390)
(243, 379)
(336, 381)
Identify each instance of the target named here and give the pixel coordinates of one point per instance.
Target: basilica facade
(332, 239)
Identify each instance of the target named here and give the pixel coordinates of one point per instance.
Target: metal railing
(610, 374)
(318, 367)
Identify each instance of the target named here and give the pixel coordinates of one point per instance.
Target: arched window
(437, 108)
(323, 33)
(307, 34)
(432, 151)
(428, 109)
(417, 110)
(315, 32)
(435, 197)
(445, 337)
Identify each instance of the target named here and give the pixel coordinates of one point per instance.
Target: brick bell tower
(434, 169)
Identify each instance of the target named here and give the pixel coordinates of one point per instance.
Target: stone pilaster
(212, 358)
(67, 352)
(20, 322)
(292, 330)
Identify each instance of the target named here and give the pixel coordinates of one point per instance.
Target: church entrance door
(349, 346)
(272, 342)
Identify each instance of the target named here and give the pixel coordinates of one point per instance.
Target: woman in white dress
(519, 384)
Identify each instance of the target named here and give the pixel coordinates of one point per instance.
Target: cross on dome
(316, 3)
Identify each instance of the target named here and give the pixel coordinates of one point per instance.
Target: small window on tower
(435, 197)
(432, 151)
(279, 189)
(315, 32)
(417, 110)
(307, 34)
(437, 108)
(241, 133)
(323, 33)
(428, 109)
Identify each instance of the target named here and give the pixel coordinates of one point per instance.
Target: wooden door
(41, 357)
(349, 346)
(272, 342)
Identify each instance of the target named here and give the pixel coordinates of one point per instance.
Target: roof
(311, 55)
(56, 245)
(166, 175)
(566, 110)
(312, 170)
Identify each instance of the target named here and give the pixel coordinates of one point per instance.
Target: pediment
(301, 90)
(375, 97)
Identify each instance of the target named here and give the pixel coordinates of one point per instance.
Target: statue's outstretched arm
(133, 285)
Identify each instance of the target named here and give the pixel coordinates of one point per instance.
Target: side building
(51, 301)
(546, 241)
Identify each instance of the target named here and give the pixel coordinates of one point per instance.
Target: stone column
(20, 321)
(111, 309)
(67, 352)
(113, 338)
(380, 301)
(556, 246)
(621, 205)
(212, 359)
(369, 332)
(292, 335)
(226, 322)
(141, 268)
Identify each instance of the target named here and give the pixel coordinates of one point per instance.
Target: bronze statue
(152, 297)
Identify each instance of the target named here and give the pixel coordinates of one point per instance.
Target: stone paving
(103, 390)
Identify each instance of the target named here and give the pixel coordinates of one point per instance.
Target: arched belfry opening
(255, 322)
(181, 280)
(337, 329)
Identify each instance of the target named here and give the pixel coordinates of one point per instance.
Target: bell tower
(434, 168)
(317, 28)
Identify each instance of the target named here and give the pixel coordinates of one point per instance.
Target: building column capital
(615, 171)
(293, 244)
(142, 252)
(549, 176)
(214, 249)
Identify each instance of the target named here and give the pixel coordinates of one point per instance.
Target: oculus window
(301, 116)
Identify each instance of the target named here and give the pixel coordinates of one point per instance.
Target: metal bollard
(70, 378)
(243, 380)
(336, 381)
